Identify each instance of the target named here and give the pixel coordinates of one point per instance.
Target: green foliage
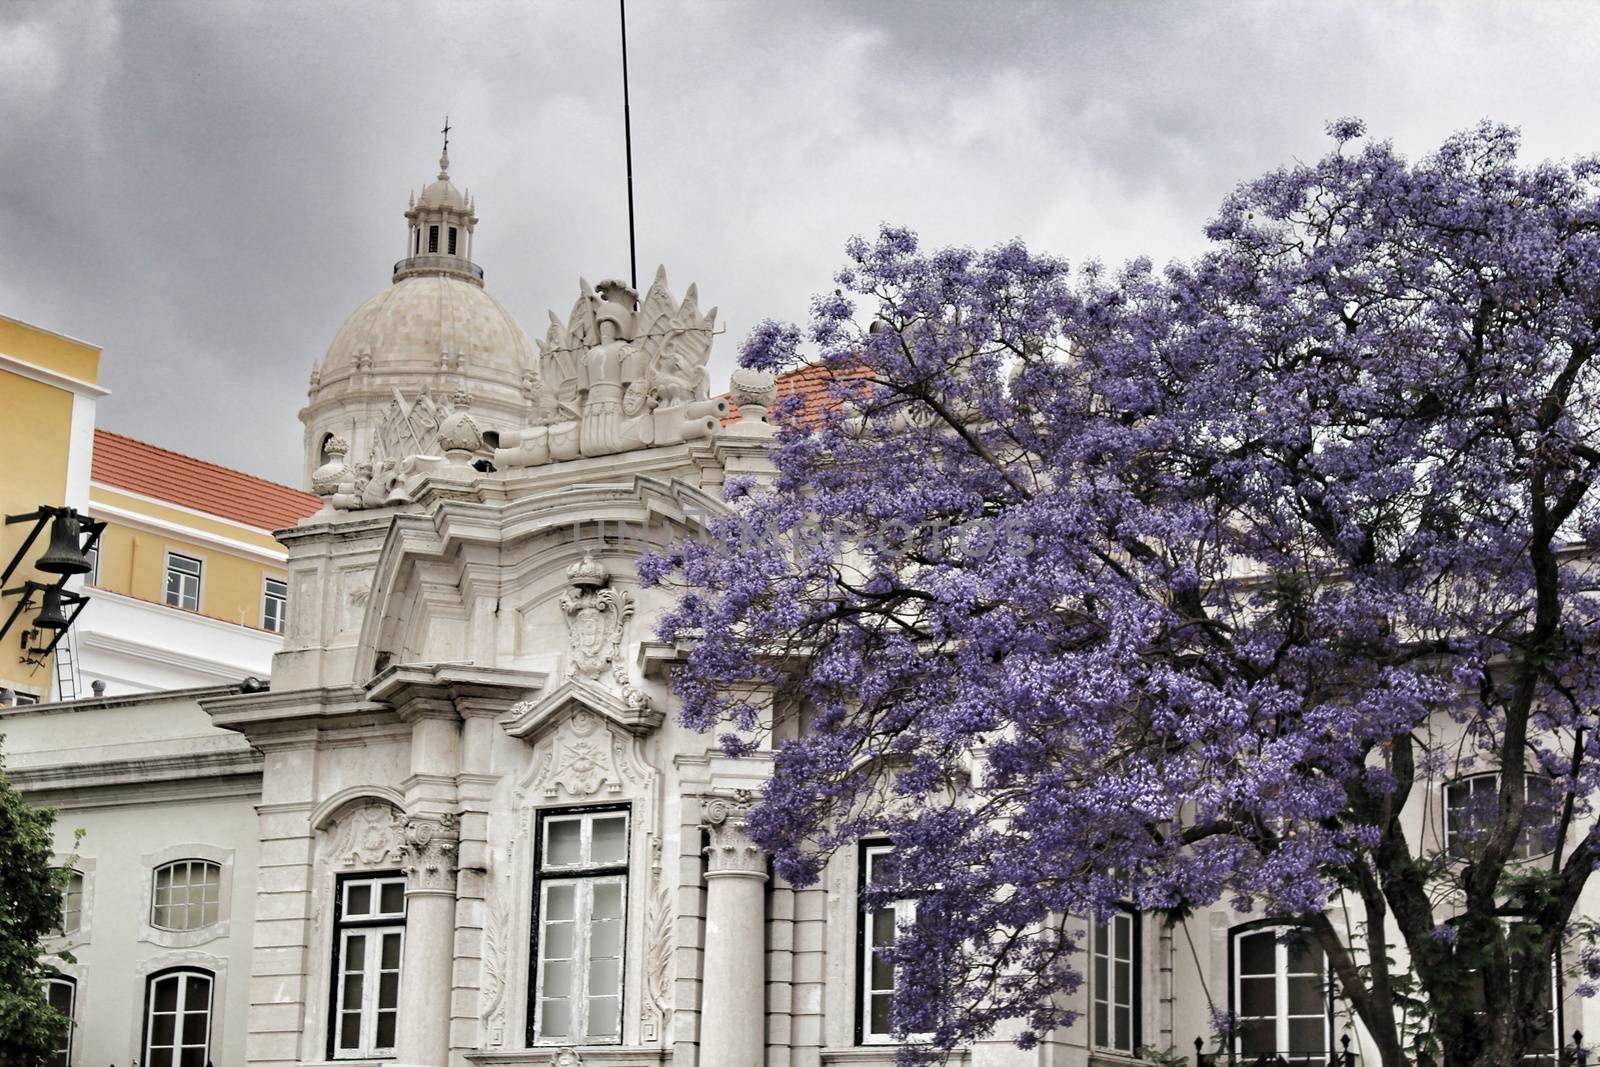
(30, 912)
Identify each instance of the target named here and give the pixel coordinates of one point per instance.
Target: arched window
(177, 1019)
(1472, 806)
(433, 238)
(187, 895)
(62, 993)
(1280, 995)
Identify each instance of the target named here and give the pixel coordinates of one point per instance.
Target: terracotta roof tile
(812, 383)
(123, 463)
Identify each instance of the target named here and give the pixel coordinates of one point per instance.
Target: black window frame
(337, 928)
(433, 240)
(539, 878)
(199, 577)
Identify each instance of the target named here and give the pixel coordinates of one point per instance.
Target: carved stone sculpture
(620, 375)
(429, 847)
(731, 851)
(595, 617)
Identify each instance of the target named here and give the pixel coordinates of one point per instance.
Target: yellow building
(188, 586)
(48, 389)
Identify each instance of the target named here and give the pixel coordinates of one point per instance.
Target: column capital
(731, 852)
(428, 845)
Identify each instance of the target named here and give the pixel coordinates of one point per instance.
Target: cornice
(139, 772)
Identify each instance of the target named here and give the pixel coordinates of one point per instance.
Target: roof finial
(444, 157)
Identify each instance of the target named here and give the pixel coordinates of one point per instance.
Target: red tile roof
(123, 463)
(812, 383)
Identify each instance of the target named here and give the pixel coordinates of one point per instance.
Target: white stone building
(463, 826)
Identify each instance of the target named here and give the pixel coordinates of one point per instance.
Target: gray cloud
(208, 188)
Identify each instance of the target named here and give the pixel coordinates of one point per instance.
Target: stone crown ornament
(620, 375)
(588, 573)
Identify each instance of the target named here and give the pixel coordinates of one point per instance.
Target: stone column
(733, 993)
(425, 978)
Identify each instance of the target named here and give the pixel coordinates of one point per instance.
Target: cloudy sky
(206, 189)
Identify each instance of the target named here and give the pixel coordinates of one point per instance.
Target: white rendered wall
(138, 647)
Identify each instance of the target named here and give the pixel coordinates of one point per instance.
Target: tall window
(187, 895)
(433, 238)
(177, 1019)
(369, 939)
(62, 992)
(1115, 982)
(275, 605)
(452, 240)
(582, 863)
(72, 904)
(1280, 995)
(416, 240)
(183, 581)
(1472, 806)
(877, 977)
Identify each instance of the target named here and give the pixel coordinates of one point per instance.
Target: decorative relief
(496, 969)
(731, 851)
(595, 617)
(657, 1014)
(429, 851)
(566, 1057)
(584, 758)
(367, 836)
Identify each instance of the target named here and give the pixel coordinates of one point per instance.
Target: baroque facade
(463, 826)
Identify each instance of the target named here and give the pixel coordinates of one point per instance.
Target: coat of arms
(595, 617)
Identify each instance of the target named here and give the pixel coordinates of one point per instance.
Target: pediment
(531, 719)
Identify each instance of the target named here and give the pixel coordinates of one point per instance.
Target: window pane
(358, 900)
(1258, 997)
(393, 897)
(555, 1018)
(608, 900)
(391, 952)
(166, 998)
(350, 1030)
(563, 843)
(1257, 1037)
(557, 979)
(559, 902)
(609, 844)
(1305, 956)
(1307, 1035)
(878, 1022)
(1124, 1035)
(603, 1012)
(386, 1024)
(1305, 996)
(1258, 953)
(558, 940)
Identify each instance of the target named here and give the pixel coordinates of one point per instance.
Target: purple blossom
(1177, 586)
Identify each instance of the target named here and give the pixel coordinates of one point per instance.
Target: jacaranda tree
(1193, 587)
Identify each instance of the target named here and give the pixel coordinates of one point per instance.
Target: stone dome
(434, 339)
(425, 324)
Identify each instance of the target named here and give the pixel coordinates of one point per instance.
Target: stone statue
(621, 375)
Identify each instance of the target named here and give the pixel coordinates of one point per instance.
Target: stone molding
(732, 853)
(428, 852)
(180, 939)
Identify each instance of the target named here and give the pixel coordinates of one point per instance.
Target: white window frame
(93, 577)
(1525, 848)
(66, 898)
(62, 1057)
(376, 925)
(1281, 976)
(282, 599)
(584, 875)
(184, 577)
(182, 974)
(905, 913)
(189, 863)
(1103, 987)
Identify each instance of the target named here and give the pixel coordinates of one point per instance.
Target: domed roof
(426, 323)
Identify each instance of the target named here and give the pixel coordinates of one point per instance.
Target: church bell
(65, 554)
(51, 616)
